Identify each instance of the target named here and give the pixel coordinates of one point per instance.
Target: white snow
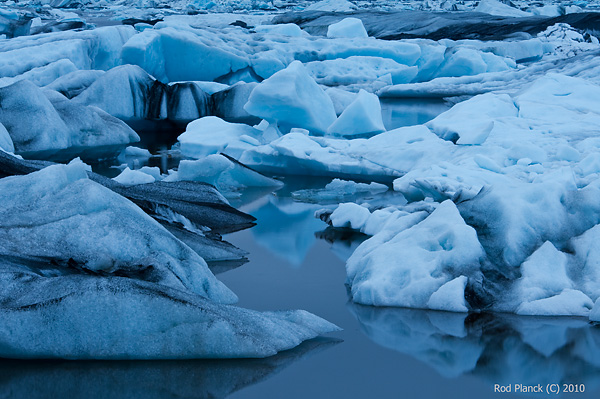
(350, 215)
(291, 30)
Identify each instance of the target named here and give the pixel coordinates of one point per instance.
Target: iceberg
(223, 172)
(92, 49)
(362, 117)
(172, 55)
(408, 267)
(122, 92)
(39, 120)
(347, 27)
(339, 190)
(292, 99)
(332, 5)
(199, 139)
(81, 224)
(92, 317)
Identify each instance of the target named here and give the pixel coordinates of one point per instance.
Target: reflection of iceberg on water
(145, 379)
(286, 228)
(499, 348)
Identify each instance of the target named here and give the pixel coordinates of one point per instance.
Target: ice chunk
(549, 10)
(465, 61)
(121, 92)
(172, 55)
(471, 121)
(93, 317)
(567, 303)
(350, 215)
(387, 154)
(130, 177)
(361, 117)
(222, 172)
(228, 104)
(332, 5)
(91, 49)
(408, 267)
(6, 143)
(347, 27)
(338, 190)
(43, 75)
(131, 154)
(291, 98)
(72, 84)
(78, 222)
(38, 121)
(200, 139)
(340, 98)
(186, 102)
(495, 7)
(543, 274)
(450, 296)
(360, 71)
(291, 30)
(595, 313)
(587, 252)
(24, 105)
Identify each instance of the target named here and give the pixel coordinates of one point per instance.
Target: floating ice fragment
(347, 27)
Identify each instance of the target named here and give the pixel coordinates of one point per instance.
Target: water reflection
(144, 379)
(498, 348)
(286, 228)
